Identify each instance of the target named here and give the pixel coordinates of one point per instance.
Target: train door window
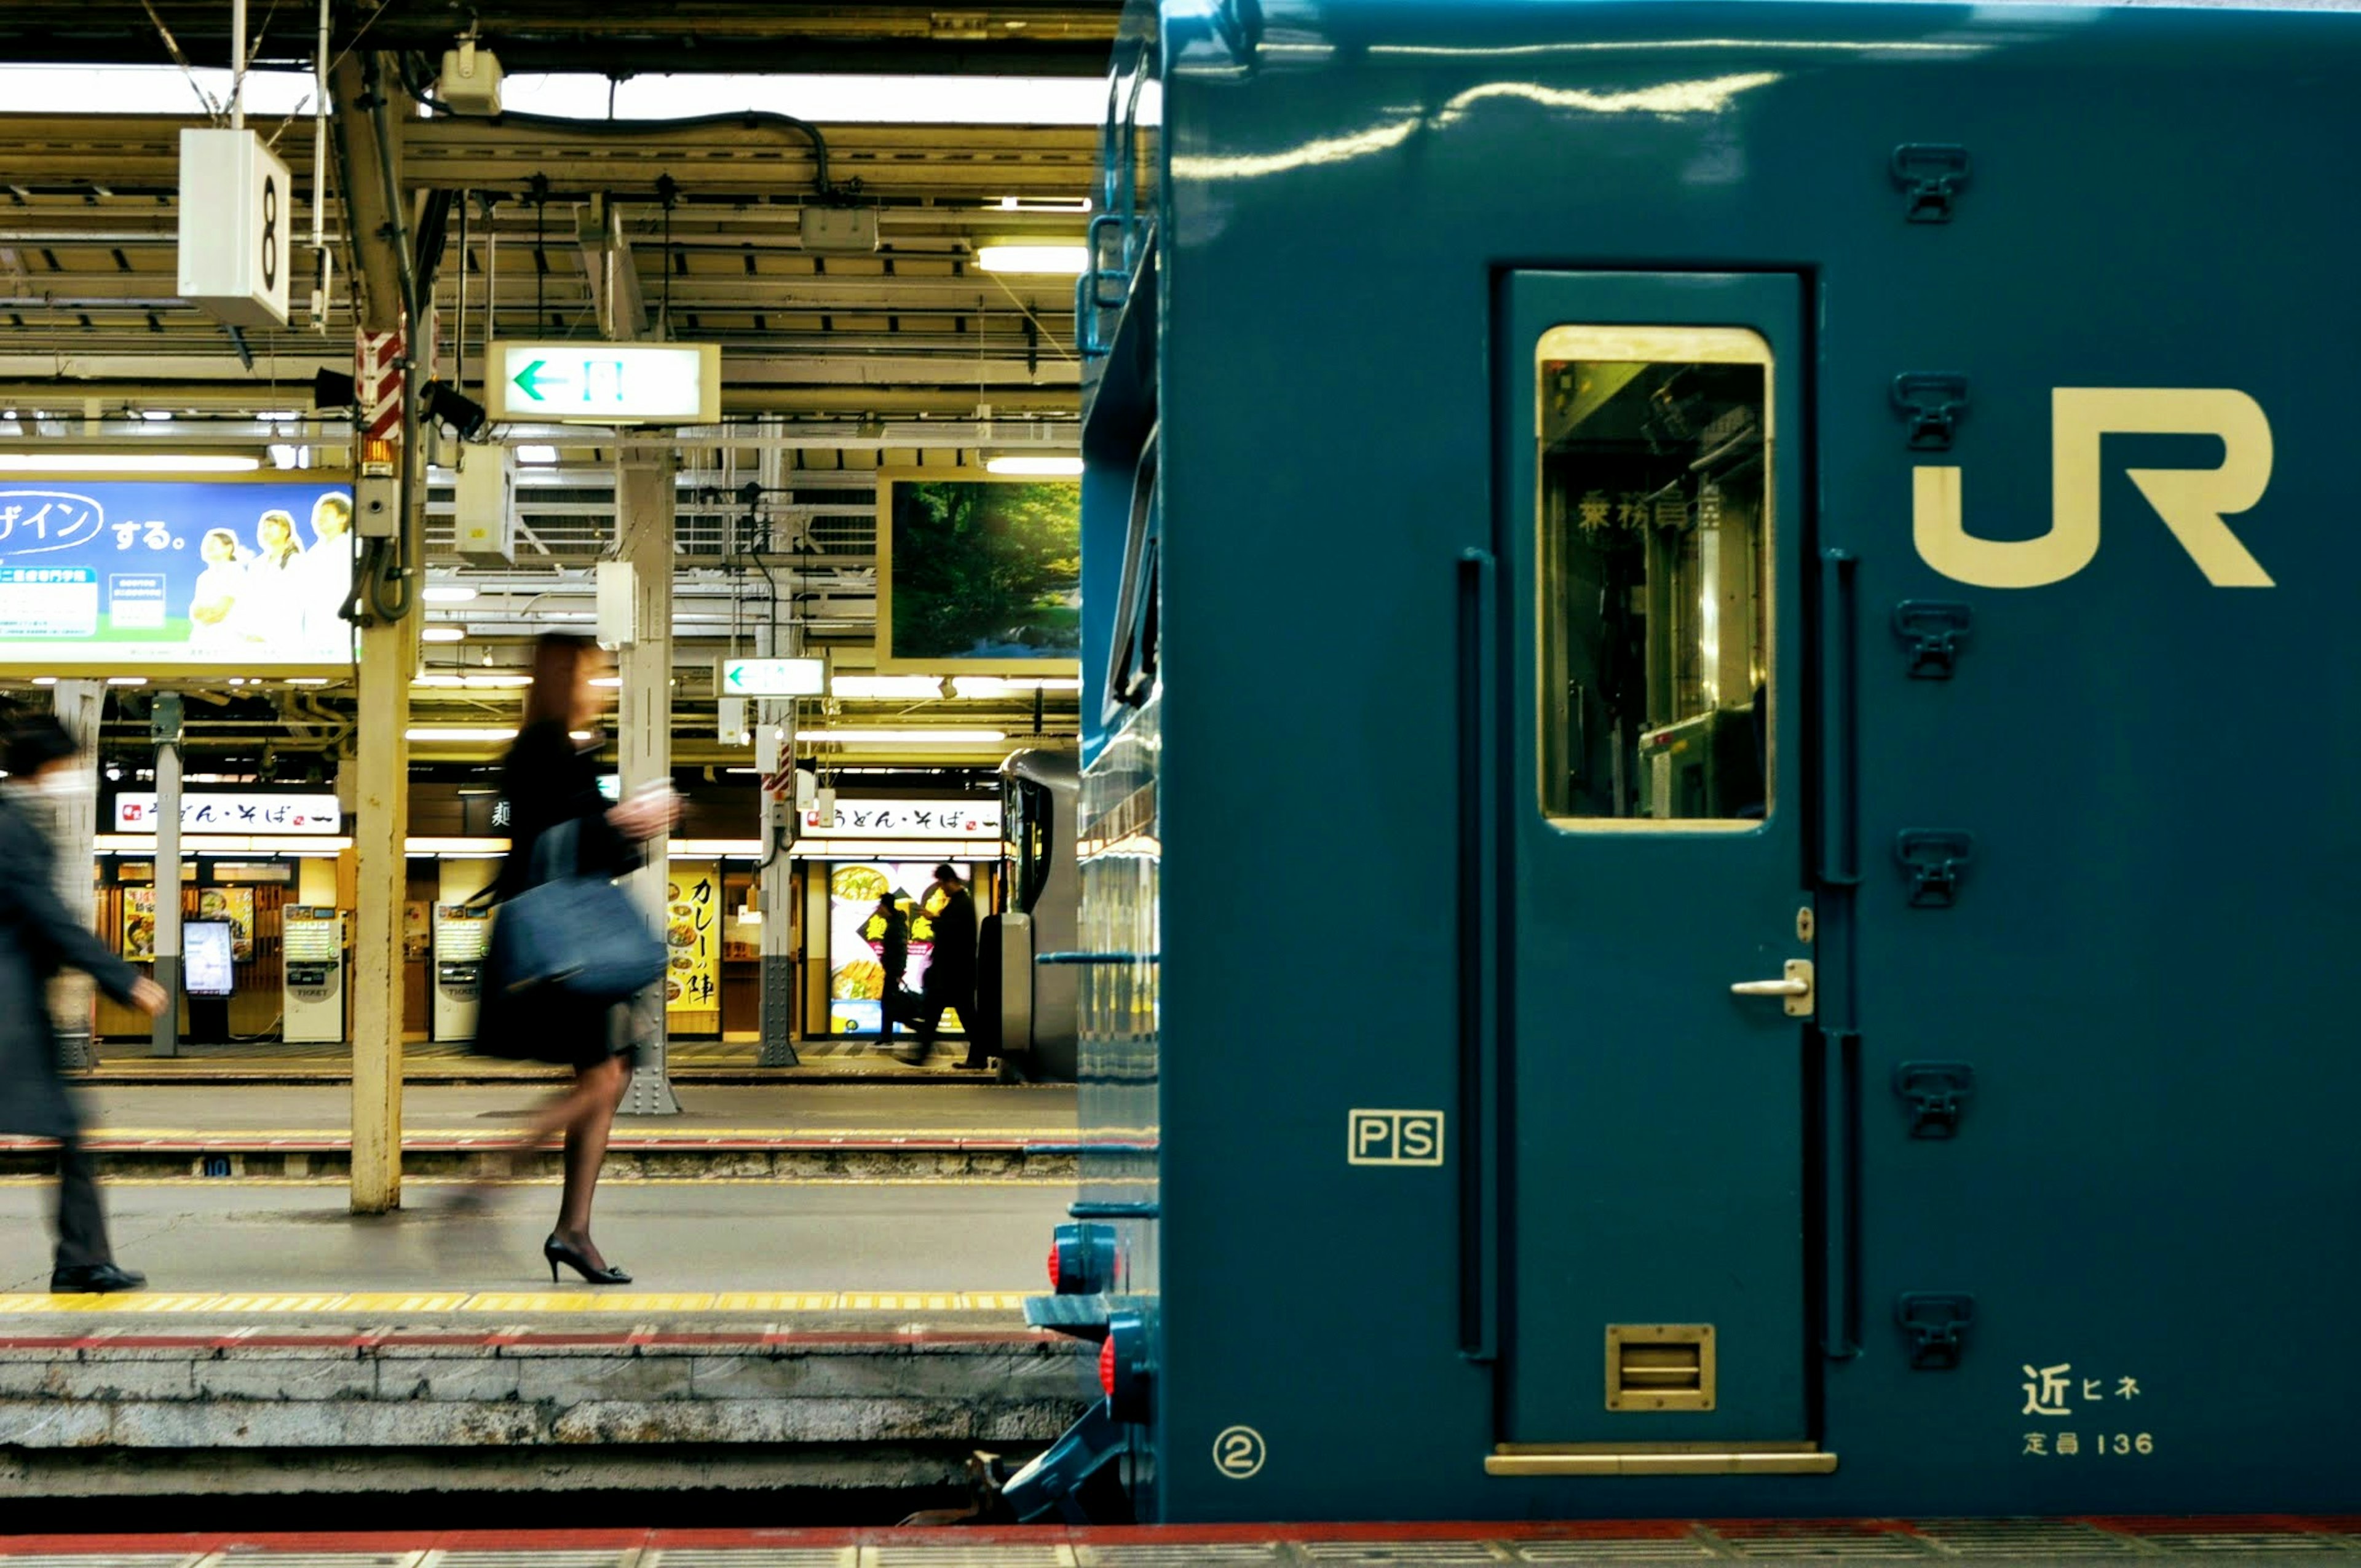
(1654, 512)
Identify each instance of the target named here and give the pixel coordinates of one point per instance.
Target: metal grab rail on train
(1098, 957)
(1119, 208)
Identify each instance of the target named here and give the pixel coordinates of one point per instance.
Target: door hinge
(1935, 858)
(1936, 1091)
(1931, 175)
(1932, 630)
(1932, 402)
(1934, 1321)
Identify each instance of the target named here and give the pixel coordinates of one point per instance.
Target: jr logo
(2192, 501)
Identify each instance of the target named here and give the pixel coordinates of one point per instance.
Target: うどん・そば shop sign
(207, 813)
(908, 819)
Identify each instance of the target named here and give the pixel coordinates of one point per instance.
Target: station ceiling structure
(835, 363)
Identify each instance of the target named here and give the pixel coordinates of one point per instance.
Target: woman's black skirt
(552, 1027)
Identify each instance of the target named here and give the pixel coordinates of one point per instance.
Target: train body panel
(1450, 825)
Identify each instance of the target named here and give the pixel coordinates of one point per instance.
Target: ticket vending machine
(462, 933)
(312, 939)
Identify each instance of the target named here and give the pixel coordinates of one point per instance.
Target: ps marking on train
(1393, 1137)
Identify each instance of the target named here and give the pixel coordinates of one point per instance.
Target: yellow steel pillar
(369, 110)
(381, 824)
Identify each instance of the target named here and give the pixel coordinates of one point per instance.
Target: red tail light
(1107, 1368)
(1053, 1266)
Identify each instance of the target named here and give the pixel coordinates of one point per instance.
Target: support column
(774, 753)
(369, 181)
(643, 505)
(164, 726)
(78, 706)
(381, 824)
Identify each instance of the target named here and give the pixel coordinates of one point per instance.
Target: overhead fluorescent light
(449, 593)
(530, 454)
(154, 416)
(906, 737)
(127, 463)
(417, 681)
(1072, 260)
(443, 634)
(45, 680)
(304, 681)
(127, 680)
(1039, 467)
(461, 733)
(607, 682)
(496, 682)
(285, 456)
(918, 688)
(1075, 205)
(1007, 686)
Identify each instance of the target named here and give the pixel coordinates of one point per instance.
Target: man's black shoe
(94, 1280)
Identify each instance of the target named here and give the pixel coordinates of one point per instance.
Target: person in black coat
(949, 980)
(893, 941)
(37, 938)
(550, 780)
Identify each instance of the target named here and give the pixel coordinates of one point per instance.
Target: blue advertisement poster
(141, 576)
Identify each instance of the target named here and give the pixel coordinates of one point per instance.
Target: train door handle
(1796, 987)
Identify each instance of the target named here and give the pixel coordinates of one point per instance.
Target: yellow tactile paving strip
(529, 1303)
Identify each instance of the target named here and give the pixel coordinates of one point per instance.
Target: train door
(1655, 959)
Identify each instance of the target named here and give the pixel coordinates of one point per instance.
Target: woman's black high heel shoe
(557, 1252)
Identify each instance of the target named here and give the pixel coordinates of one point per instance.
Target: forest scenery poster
(980, 574)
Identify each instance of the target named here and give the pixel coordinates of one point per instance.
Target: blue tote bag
(574, 936)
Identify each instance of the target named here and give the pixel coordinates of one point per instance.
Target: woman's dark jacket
(549, 781)
(38, 938)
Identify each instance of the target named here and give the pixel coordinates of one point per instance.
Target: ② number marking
(1238, 1452)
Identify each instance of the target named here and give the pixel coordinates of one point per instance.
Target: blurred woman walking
(37, 938)
(551, 783)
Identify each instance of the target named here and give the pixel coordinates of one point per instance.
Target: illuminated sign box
(229, 576)
(906, 819)
(207, 812)
(605, 383)
(772, 677)
(978, 574)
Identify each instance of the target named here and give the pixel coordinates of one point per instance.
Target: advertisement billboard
(859, 984)
(144, 578)
(693, 947)
(978, 574)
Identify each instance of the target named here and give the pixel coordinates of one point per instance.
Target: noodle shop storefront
(863, 853)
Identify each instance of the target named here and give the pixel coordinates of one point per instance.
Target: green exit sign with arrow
(772, 677)
(576, 382)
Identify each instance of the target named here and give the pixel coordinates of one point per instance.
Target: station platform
(835, 1059)
(1999, 1543)
(222, 1131)
(848, 1334)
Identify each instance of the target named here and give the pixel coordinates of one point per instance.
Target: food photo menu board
(693, 916)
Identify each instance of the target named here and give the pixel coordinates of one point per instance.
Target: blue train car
(1702, 617)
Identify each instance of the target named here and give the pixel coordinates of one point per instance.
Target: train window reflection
(1656, 569)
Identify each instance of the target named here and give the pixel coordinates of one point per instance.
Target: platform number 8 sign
(1238, 1452)
(269, 232)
